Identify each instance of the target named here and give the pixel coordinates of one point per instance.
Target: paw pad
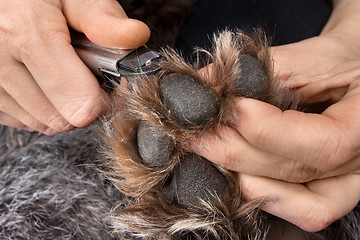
(252, 81)
(188, 101)
(193, 180)
(175, 193)
(154, 146)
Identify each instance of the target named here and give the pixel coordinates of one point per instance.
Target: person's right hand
(311, 206)
(44, 86)
(309, 163)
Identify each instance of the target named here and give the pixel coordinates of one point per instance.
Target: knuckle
(14, 18)
(262, 136)
(315, 225)
(334, 154)
(13, 36)
(25, 28)
(319, 218)
(81, 115)
(228, 159)
(56, 122)
(9, 13)
(299, 172)
(27, 47)
(33, 123)
(309, 174)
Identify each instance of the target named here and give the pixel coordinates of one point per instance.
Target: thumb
(302, 62)
(105, 23)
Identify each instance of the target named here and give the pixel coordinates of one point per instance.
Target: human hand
(311, 206)
(44, 86)
(291, 145)
(302, 147)
(265, 144)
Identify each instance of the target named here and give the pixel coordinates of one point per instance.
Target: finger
(7, 120)
(312, 207)
(321, 141)
(230, 150)
(324, 87)
(27, 102)
(301, 61)
(105, 23)
(11, 108)
(64, 79)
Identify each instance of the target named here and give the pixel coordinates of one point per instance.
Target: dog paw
(174, 192)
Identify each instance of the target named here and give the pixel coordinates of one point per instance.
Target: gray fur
(46, 190)
(48, 193)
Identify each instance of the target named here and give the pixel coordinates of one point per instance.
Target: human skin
(44, 86)
(307, 162)
(265, 145)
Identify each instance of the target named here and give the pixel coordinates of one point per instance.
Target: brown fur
(148, 214)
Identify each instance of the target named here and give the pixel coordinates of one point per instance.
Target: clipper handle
(98, 59)
(110, 64)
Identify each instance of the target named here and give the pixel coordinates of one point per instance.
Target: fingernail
(68, 127)
(51, 132)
